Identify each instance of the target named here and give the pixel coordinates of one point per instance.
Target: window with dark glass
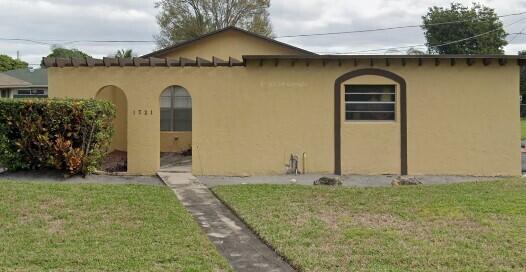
(30, 93)
(370, 102)
(5, 93)
(176, 110)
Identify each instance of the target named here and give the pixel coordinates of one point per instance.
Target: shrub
(72, 135)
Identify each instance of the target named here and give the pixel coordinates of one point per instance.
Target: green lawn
(523, 129)
(459, 227)
(72, 227)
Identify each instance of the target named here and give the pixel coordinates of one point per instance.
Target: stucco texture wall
(462, 120)
(175, 141)
(117, 97)
(230, 43)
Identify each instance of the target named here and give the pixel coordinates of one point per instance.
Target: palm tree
(125, 54)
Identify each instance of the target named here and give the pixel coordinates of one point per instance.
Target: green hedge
(71, 135)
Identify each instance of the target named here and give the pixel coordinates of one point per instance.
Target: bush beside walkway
(71, 135)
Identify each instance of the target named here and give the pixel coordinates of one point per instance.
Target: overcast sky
(135, 20)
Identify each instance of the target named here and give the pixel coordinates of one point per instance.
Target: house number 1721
(142, 112)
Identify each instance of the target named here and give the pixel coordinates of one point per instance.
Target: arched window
(176, 109)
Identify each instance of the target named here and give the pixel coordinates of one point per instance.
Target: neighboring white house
(24, 83)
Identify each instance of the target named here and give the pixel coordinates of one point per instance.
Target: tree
(414, 51)
(187, 19)
(8, 63)
(59, 52)
(125, 54)
(475, 20)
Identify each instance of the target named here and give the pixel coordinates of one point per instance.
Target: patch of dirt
(379, 220)
(301, 220)
(463, 224)
(170, 159)
(331, 218)
(116, 161)
(55, 226)
(337, 219)
(25, 216)
(52, 203)
(421, 229)
(187, 152)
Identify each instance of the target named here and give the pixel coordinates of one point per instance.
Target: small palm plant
(125, 54)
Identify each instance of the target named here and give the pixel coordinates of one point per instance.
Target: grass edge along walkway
(67, 227)
(455, 227)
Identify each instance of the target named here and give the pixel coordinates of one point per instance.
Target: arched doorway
(117, 159)
(176, 129)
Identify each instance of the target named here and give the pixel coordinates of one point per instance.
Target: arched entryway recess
(176, 129)
(338, 114)
(117, 159)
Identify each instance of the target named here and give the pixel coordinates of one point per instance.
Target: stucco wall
(118, 98)
(466, 121)
(230, 43)
(247, 120)
(176, 141)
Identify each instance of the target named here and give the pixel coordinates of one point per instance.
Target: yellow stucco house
(244, 103)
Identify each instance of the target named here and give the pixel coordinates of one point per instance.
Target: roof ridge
(209, 34)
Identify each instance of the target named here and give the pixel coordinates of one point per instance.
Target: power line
(412, 46)
(387, 28)
(435, 46)
(64, 42)
(26, 40)
(111, 41)
(517, 34)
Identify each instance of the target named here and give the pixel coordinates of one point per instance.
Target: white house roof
(12, 82)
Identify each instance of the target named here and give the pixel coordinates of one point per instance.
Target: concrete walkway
(243, 250)
(57, 176)
(352, 180)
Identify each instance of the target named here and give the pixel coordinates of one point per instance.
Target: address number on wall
(142, 112)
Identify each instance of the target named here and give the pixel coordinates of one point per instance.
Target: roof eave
(13, 86)
(382, 56)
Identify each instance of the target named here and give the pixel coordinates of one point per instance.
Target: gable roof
(36, 77)
(7, 81)
(189, 42)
